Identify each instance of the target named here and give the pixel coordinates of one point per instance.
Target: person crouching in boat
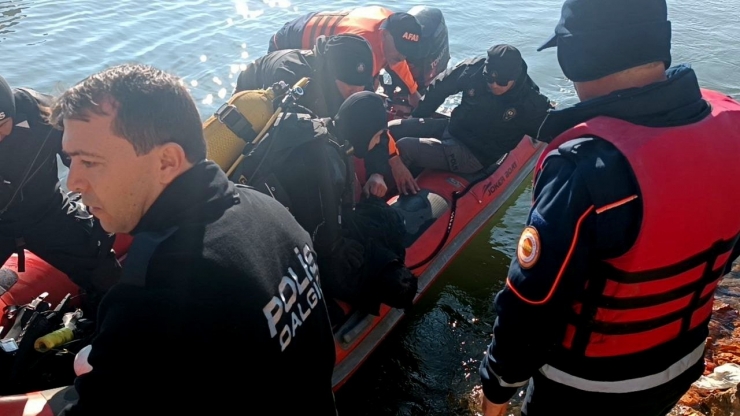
(500, 104)
(395, 37)
(35, 213)
(338, 66)
(220, 301)
(306, 163)
(634, 221)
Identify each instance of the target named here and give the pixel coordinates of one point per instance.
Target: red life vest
(361, 21)
(662, 289)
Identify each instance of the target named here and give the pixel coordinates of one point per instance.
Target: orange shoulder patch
(528, 250)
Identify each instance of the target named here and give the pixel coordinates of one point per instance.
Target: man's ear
(172, 162)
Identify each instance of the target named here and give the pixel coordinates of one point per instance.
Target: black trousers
(426, 143)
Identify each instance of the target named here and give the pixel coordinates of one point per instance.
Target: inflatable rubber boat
(33, 306)
(440, 221)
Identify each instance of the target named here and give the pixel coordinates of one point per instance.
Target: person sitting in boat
(500, 104)
(215, 268)
(306, 163)
(393, 36)
(338, 67)
(35, 213)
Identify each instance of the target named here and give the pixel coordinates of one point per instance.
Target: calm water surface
(428, 365)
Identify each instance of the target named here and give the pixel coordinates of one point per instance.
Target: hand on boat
(375, 186)
(405, 182)
(491, 409)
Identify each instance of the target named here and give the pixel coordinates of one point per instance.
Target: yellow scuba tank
(237, 123)
(244, 120)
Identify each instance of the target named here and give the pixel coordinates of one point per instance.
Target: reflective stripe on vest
(661, 291)
(325, 23)
(361, 21)
(626, 386)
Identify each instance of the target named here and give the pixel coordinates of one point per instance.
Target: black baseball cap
(7, 101)
(406, 33)
(596, 38)
(504, 64)
(349, 58)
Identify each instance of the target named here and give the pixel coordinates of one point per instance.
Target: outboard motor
(434, 43)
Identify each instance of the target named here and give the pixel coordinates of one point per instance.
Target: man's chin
(107, 226)
(109, 230)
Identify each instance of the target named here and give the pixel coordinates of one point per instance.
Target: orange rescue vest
(661, 291)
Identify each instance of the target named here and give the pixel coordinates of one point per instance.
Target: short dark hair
(152, 108)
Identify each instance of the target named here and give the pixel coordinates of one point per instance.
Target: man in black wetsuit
(220, 288)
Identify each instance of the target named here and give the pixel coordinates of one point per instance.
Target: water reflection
(242, 9)
(10, 15)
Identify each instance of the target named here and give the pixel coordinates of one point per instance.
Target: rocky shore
(715, 393)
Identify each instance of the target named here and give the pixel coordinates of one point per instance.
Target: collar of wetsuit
(191, 196)
(674, 101)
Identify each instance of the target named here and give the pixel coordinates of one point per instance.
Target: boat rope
(453, 209)
(450, 222)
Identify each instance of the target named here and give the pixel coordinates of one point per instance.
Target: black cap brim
(553, 42)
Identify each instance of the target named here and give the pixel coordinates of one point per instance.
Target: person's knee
(407, 148)
(394, 127)
(409, 127)
(427, 141)
(407, 143)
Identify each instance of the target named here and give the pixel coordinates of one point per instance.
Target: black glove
(340, 269)
(349, 255)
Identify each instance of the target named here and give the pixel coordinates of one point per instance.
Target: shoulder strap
(348, 193)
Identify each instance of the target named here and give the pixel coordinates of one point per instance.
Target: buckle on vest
(229, 116)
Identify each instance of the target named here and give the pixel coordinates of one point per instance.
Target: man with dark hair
(500, 104)
(210, 260)
(35, 213)
(607, 303)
